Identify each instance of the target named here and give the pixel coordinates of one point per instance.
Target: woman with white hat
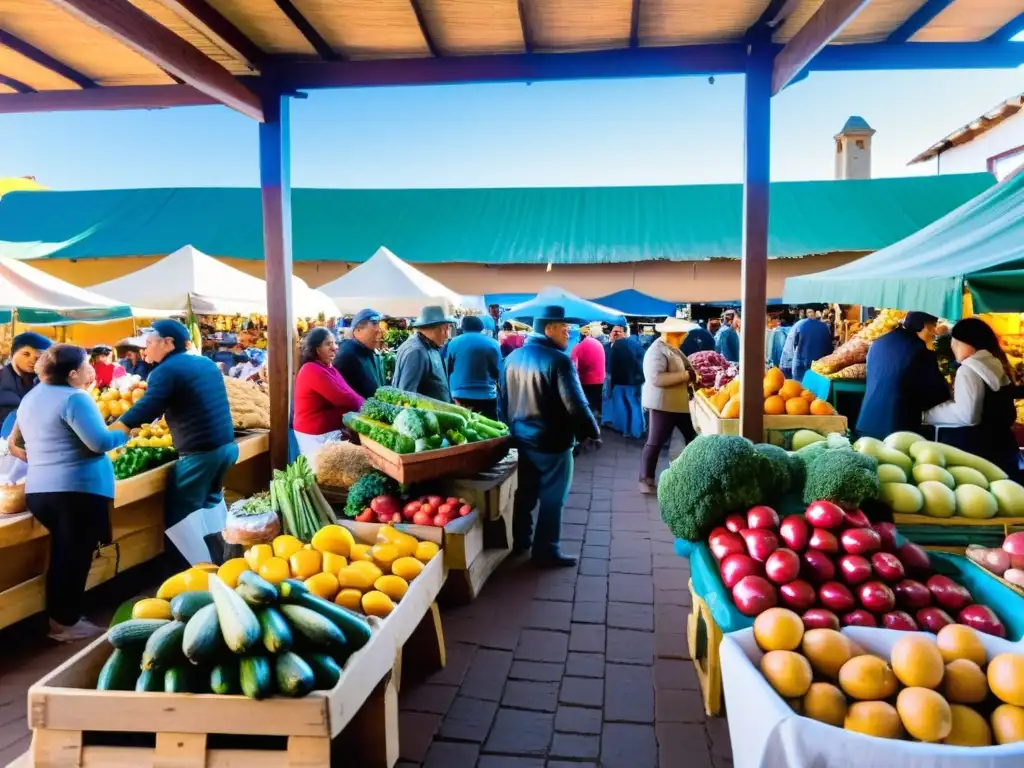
(666, 394)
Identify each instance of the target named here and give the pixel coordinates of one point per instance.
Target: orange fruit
(925, 714)
(797, 406)
(733, 387)
(827, 650)
(826, 703)
(808, 396)
(768, 390)
(732, 408)
(917, 662)
(874, 718)
(778, 629)
(1008, 724)
(790, 388)
(957, 641)
(964, 682)
(775, 405)
(787, 672)
(867, 678)
(773, 380)
(1006, 678)
(969, 728)
(821, 408)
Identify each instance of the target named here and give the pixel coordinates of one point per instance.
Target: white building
(993, 142)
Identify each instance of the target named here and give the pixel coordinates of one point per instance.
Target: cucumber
(355, 627)
(318, 630)
(277, 635)
(187, 604)
(120, 671)
(134, 631)
(255, 590)
(254, 677)
(202, 639)
(325, 670)
(179, 679)
(150, 681)
(224, 678)
(164, 646)
(238, 624)
(294, 676)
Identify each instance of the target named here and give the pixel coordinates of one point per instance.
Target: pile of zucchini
(257, 639)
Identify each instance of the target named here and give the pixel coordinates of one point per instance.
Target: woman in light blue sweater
(70, 480)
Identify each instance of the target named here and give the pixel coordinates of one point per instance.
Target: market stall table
(137, 531)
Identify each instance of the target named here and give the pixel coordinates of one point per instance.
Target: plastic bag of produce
(12, 497)
(855, 371)
(251, 521)
(853, 351)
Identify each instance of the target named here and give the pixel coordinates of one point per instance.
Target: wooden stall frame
(707, 422)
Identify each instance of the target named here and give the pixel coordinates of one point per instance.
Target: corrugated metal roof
(977, 127)
(483, 226)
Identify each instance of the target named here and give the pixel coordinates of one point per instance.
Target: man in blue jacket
(812, 340)
(542, 401)
(357, 360)
(473, 362)
(419, 366)
(727, 340)
(188, 391)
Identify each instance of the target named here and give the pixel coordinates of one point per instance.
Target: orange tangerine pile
(782, 396)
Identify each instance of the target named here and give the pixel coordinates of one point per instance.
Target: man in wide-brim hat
(419, 366)
(542, 401)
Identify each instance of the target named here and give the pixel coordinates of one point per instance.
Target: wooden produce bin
(707, 422)
(458, 461)
(137, 533)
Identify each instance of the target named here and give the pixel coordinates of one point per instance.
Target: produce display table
(459, 460)
(707, 422)
(137, 531)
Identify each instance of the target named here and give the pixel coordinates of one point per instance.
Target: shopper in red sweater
(588, 355)
(322, 396)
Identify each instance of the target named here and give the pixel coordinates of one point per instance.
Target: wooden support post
(275, 189)
(757, 94)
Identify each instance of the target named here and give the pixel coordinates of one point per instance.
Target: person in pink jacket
(588, 355)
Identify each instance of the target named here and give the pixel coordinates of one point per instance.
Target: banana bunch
(886, 320)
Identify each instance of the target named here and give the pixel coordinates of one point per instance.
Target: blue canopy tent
(587, 311)
(636, 304)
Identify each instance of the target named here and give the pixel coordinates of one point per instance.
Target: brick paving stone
(547, 614)
(587, 638)
(576, 517)
(571, 764)
(677, 597)
(600, 521)
(670, 620)
(721, 746)
(592, 589)
(577, 501)
(675, 675)
(575, 745)
(598, 537)
(537, 671)
(670, 561)
(504, 761)
(582, 691)
(630, 646)
(560, 592)
(452, 754)
(530, 694)
(672, 706)
(597, 552)
(516, 732)
(629, 588)
(585, 665)
(415, 733)
(629, 545)
(542, 645)
(428, 697)
(625, 745)
(681, 744)
(591, 566)
(631, 616)
(468, 719)
(630, 523)
(639, 564)
(572, 532)
(588, 613)
(569, 719)
(671, 645)
(487, 674)
(601, 505)
(628, 693)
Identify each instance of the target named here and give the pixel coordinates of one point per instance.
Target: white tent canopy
(214, 288)
(42, 299)
(390, 286)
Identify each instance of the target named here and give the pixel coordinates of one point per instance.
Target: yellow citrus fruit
(969, 728)
(231, 570)
(334, 539)
(874, 718)
(305, 563)
(916, 660)
(778, 629)
(377, 604)
(788, 673)
(867, 678)
(824, 702)
(275, 570)
(285, 546)
(924, 713)
(350, 598)
(333, 563)
(258, 554)
(323, 585)
(964, 682)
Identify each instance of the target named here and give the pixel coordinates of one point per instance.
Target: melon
(956, 641)
(916, 661)
(968, 476)
(825, 703)
(927, 472)
(804, 437)
(827, 650)
(787, 672)
(778, 629)
(964, 682)
(969, 728)
(902, 497)
(939, 498)
(1006, 678)
(1009, 498)
(901, 441)
(890, 473)
(868, 678)
(975, 503)
(930, 457)
(924, 713)
(869, 446)
(1008, 724)
(874, 718)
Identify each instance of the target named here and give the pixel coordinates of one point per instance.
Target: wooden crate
(460, 460)
(491, 491)
(703, 636)
(707, 422)
(474, 548)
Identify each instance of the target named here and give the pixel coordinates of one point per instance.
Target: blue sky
(663, 131)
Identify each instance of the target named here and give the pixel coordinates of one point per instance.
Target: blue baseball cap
(32, 339)
(366, 315)
(172, 329)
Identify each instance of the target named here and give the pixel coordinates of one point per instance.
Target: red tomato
(435, 501)
(446, 510)
(441, 521)
(464, 510)
(422, 518)
(366, 516)
(425, 507)
(453, 501)
(411, 509)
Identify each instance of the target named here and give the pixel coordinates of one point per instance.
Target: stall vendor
(419, 366)
(188, 391)
(102, 359)
(19, 375)
(322, 396)
(131, 353)
(358, 359)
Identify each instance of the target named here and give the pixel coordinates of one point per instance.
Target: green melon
(975, 503)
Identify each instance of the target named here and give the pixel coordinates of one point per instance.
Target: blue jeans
(197, 482)
(544, 478)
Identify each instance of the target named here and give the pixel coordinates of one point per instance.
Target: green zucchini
(187, 604)
(318, 630)
(164, 646)
(179, 679)
(150, 681)
(277, 635)
(255, 590)
(202, 639)
(134, 631)
(326, 670)
(238, 624)
(355, 627)
(120, 671)
(224, 678)
(294, 676)
(254, 677)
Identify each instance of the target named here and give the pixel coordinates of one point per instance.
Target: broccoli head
(714, 476)
(842, 476)
(415, 423)
(809, 453)
(366, 489)
(380, 411)
(835, 440)
(775, 475)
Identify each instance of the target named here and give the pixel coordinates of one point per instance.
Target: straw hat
(675, 325)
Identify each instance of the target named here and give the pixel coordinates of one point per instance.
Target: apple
(762, 517)
(899, 620)
(725, 544)
(422, 518)
(798, 595)
(859, 618)
(983, 619)
(410, 509)
(446, 509)
(860, 541)
(824, 514)
(425, 507)
(915, 560)
(836, 597)
(795, 532)
(736, 522)
(876, 597)
(820, 618)
(817, 567)
(760, 543)
(464, 510)
(754, 595)
(887, 567)
(854, 569)
(887, 533)
(857, 519)
(737, 565)
(435, 501)
(933, 619)
(718, 530)
(823, 541)
(947, 594)
(912, 595)
(782, 566)
(440, 521)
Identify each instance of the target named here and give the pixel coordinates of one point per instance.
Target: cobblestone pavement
(566, 668)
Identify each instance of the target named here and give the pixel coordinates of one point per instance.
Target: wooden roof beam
(524, 24)
(773, 17)
(201, 15)
(1008, 31)
(918, 20)
(421, 19)
(16, 85)
(44, 59)
(827, 22)
(634, 25)
(308, 31)
(147, 37)
(121, 97)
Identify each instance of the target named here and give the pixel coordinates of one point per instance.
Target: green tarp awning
(980, 246)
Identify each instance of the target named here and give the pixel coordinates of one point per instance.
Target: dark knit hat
(916, 321)
(976, 332)
(472, 324)
(172, 329)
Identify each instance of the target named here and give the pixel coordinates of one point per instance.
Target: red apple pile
(835, 568)
(436, 511)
